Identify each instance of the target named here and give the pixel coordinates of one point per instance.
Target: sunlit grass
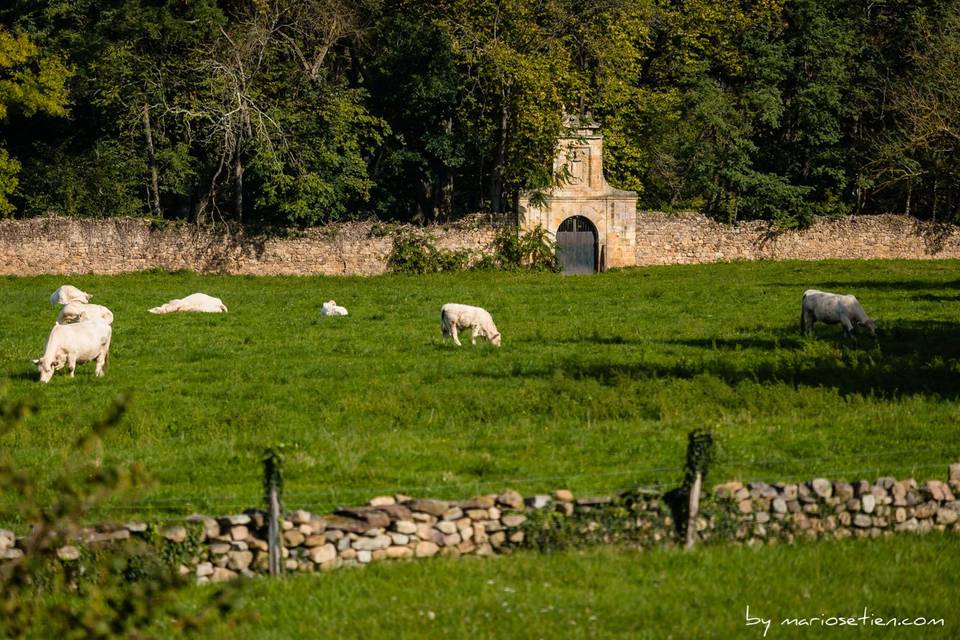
(596, 386)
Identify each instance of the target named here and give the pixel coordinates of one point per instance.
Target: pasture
(596, 386)
(619, 593)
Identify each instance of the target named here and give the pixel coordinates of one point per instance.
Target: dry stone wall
(54, 245)
(117, 245)
(691, 238)
(400, 527)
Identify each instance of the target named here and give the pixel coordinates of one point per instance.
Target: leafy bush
(534, 250)
(414, 252)
(106, 592)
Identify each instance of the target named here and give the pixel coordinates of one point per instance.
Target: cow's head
(870, 326)
(495, 339)
(46, 369)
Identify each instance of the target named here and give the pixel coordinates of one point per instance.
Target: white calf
(78, 312)
(67, 294)
(331, 308)
(462, 316)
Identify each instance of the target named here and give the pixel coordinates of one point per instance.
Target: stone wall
(117, 245)
(398, 527)
(691, 238)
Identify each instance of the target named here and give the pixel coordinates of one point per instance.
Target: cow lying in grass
(462, 316)
(78, 312)
(331, 308)
(69, 344)
(833, 308)
(67, 294)
(195, 302)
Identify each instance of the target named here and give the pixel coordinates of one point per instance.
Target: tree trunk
(238, 186)
(444, 188)
(154, 191)
(496, 178)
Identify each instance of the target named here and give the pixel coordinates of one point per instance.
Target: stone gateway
(594, 224)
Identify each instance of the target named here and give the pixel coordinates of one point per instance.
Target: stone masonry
(119, 245)
(400, 527)
(586, 193)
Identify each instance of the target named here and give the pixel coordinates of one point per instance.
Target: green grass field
(595, 388)
(615, 593)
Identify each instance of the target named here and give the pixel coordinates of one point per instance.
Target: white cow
(331, 308)
(69, 344)
(67, 294)
(462, 316)
(833, 308)
(196, 302)
(78, 311)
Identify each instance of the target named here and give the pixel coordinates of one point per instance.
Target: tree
(31, 82)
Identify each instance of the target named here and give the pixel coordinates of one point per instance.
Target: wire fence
(657, 479)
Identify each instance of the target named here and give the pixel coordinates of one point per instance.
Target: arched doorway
(577, 245)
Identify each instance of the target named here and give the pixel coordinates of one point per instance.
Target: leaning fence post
(699, 453)
(273, 487)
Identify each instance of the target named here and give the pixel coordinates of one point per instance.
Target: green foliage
(32, 82)
(273, 458)
(699, 456)
(533, 250)
(415, 252)
(548, 530)
(292, 113)
(106, 593)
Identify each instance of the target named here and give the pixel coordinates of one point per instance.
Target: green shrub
(532, 250)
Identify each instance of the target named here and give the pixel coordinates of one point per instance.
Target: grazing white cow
(196, 302)
(67, 294)
(331, 308)
(833, 308)
(462, 316)
(69, 344)
(78, 312)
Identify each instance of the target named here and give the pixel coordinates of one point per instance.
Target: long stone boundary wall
(53, 245)
(118, 245)
(691, 238)
(398, 527)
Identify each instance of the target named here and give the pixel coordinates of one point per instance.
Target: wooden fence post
(693, 510)
(699, 455)
(273, 485)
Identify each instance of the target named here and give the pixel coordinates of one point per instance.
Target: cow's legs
(806, 322)
(101, 360)
(473, 335)
(72, 364)
(847, 326)
(453, 332)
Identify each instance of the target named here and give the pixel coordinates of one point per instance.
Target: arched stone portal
(577, 245)
(585, 193)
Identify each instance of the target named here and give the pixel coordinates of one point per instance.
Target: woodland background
(290, 113)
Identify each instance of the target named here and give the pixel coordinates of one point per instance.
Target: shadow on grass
(907, 358)
(741, 344)
(25, 374)
(899, 285)
(853, 286)
(929, 297)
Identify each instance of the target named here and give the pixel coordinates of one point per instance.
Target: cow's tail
(444, 327)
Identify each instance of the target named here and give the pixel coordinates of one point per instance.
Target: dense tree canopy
(296, 112)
